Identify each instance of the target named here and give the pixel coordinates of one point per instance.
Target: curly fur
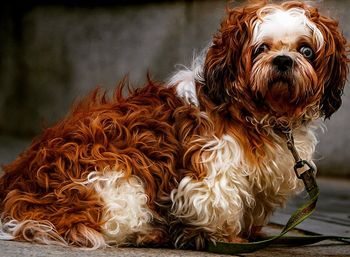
(200, 158)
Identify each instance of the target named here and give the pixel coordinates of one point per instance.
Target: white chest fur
(236, 195)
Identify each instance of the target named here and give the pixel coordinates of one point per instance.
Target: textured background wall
(54, 53)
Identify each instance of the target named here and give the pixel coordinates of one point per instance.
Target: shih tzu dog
(200, 158)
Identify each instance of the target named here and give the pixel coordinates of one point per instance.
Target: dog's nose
(283, 62)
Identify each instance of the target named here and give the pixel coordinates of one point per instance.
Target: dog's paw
(236, 239)
(257, 233)
(155, 237)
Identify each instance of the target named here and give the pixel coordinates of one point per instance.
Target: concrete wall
(54, 53)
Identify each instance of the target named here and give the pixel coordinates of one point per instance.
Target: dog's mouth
(281, 83)
(280, 88)
(279, 94)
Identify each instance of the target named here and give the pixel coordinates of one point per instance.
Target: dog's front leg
(207, 211)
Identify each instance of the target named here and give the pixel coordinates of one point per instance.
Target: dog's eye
(307, 52)
(261, 49)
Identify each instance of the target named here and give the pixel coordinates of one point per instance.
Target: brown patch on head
(229, 56)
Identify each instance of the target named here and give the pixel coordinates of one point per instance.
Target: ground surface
(332, 217)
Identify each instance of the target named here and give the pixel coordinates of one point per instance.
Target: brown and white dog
(200, 158)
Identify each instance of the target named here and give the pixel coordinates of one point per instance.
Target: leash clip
(301, 166)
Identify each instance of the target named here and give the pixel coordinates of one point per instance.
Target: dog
(200, 158)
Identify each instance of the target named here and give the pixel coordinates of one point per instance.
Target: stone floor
(16, 249)
(332, 217)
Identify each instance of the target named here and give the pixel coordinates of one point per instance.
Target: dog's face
(284, 61)
(284, 45)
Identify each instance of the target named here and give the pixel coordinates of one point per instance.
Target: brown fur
(129, 134)
(154, 135)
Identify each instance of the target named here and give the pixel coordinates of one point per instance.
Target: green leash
(306, 173)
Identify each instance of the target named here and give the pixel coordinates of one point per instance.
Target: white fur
(236, 194)
(35, 231)
(185, 86)
(125, 205)
(285, 26)
(125, 212)
(216, 200)
(185, 80)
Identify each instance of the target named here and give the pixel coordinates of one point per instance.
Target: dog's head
(286, 61)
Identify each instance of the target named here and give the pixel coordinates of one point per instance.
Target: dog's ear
(227, 58)
(331, 64)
